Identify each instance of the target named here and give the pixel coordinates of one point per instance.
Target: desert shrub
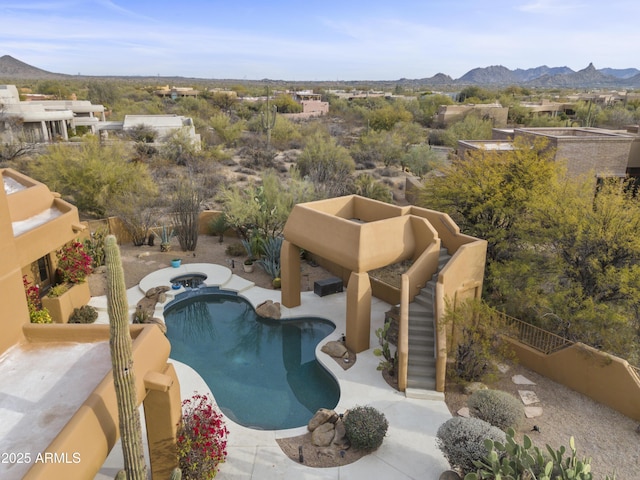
(479, 346)
(84, 314)
(365, 427)
(235, 250)
(500, 409)
(461, 441)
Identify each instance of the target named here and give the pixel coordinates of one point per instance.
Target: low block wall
(602, 377)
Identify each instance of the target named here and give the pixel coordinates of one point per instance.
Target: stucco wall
(602, 377)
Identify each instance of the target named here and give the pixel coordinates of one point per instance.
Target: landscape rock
(269, 309)
(532, 412)
(528, 397)
(474, 387)
(323, 435)
(340, 436)
(522, 380)
(156, 291)
(449, 475)
(464, 412)
(322, 416)
(335, 349)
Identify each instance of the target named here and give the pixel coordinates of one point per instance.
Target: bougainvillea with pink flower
(74, 264)
(202, 439)
(37, 314)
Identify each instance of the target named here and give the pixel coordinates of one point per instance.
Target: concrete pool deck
(409, 450)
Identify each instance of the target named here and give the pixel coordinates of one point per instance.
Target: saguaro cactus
(122, 364)
(268, 119)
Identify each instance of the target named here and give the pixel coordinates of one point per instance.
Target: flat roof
(43, 385)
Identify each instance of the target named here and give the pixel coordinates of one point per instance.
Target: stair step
(421, 328)
(424, 383)
(423, 394)
(418, 308)
(424, 360)
(415, 370)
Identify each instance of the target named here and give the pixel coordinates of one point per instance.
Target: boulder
(474, 387)
(323, 435)
(323, 415)
(156, 291)
(335, 349)
(449, 475)
(269, 309)
(340, 435)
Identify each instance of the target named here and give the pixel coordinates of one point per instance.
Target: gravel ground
(608, 437)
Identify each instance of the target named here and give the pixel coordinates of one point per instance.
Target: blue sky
(317, 40)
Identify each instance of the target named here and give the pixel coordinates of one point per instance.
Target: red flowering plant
(202, 439)
(74, 264)
(37, 314)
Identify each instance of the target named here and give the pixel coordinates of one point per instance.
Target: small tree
(477, 347)
(186, 211)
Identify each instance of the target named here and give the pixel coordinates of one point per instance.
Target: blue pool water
(263, 373)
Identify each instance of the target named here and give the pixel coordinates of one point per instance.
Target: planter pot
(175, 263)
(248, 268)
(61, 307)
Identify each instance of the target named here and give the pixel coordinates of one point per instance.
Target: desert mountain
(14, 68)
(495, 75)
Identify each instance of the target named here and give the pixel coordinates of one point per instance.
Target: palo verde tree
(487, 192)
(580, 277)
(91, 175)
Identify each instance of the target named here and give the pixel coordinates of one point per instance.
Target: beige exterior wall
(353, 235)
(93, 429)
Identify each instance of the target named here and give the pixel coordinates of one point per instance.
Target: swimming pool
(263, 373)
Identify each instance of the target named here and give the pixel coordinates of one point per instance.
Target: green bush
(500, 409)
(365, 427)
(84, 314)
(461, 441)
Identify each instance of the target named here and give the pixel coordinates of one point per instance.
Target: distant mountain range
(495, 75)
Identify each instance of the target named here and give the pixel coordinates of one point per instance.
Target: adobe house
(608, 153)
(58, 398)
(448, 114)
(353, 235)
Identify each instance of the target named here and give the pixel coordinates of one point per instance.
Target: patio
(409, 450)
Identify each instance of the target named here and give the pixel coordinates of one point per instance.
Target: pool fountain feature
(189, 280)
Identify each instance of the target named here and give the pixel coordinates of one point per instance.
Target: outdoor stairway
(421, 370)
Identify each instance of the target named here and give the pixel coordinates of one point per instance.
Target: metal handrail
(534, 337)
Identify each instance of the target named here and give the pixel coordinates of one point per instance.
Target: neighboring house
(312, 104)
(177, 92)
(41, 121)
(164, 126)
(58, 395)
(448, 114)
(608, 153)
